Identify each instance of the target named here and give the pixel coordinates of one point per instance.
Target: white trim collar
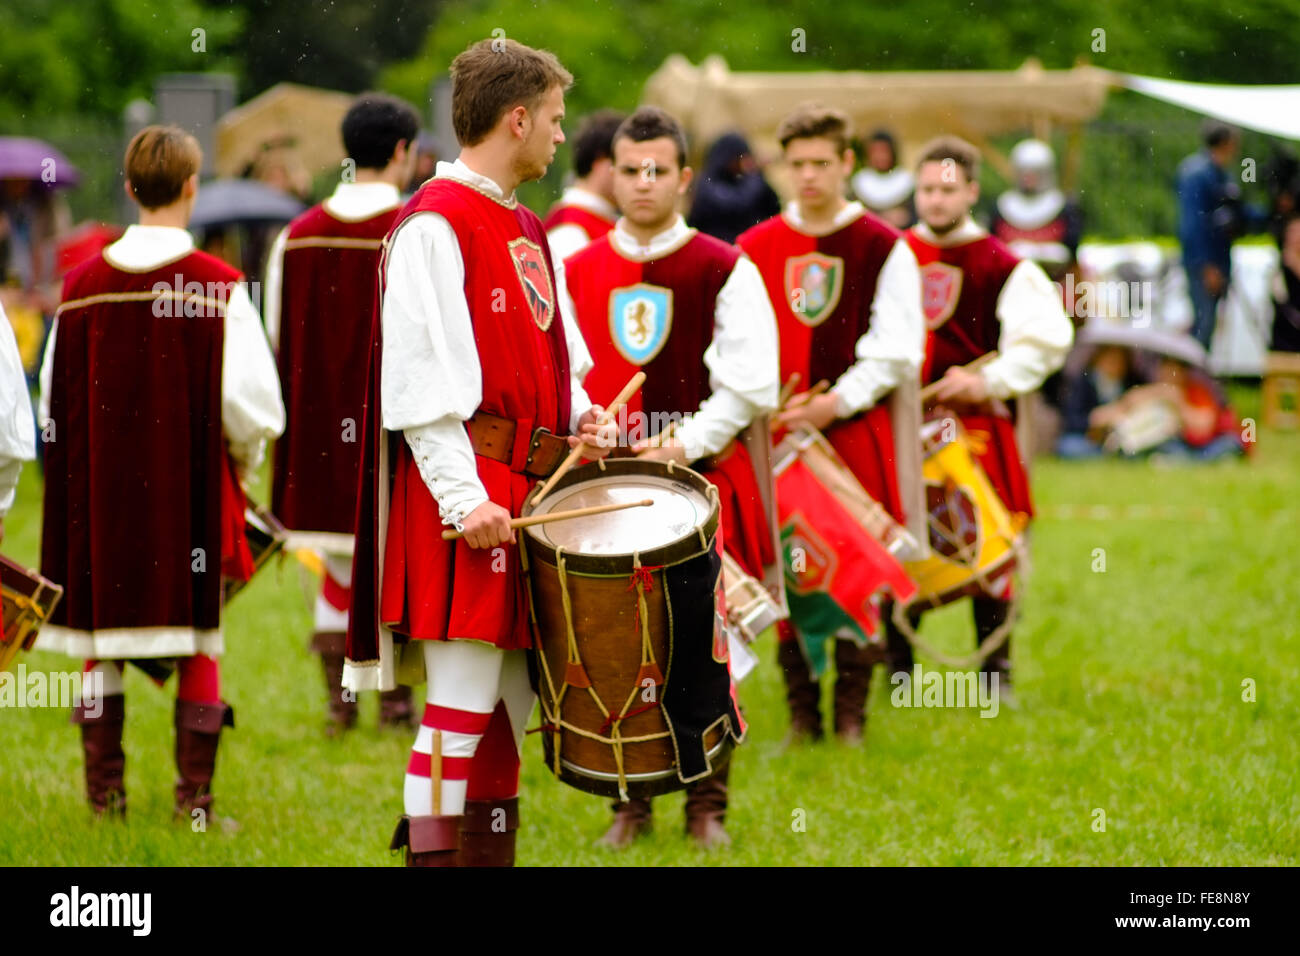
(851, 212)
(1030, 211)
(142, 248)
(352, 202)
(486, 185)
(585, 199)
(670, 240)
(967, 231)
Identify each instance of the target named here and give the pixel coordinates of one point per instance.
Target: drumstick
(807, 396)
(975, 366)
(788, 389)
(560, 516)
(607, 416)
(659, 440)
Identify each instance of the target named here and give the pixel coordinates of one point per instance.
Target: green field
(1129, 683)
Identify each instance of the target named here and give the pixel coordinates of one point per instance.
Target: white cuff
(445, 460)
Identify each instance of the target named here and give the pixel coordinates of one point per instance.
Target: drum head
(679, 508)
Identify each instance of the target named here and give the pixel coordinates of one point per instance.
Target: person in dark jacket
(731, 194)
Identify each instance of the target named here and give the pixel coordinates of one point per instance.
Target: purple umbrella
(22, 158)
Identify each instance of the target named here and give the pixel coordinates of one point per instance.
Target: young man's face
(543, 134)
(648, 181)
(944, 196)
(819, 171)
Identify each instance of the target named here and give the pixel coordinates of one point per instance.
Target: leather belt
(502, 439)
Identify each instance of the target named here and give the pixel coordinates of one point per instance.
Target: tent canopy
(710, 100)
(302, 121)
(1268, 109)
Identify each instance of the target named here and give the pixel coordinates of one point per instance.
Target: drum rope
(991, 643)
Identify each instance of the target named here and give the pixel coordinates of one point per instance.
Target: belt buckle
(535, 444)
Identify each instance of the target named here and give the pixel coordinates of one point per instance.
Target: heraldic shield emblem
(535, 278)
(813, 283)
(940, 290)
(640, 318)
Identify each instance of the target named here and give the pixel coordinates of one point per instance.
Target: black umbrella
(224, 202)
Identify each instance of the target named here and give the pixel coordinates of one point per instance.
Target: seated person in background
(1286, 291)
(1184, 403)
(1089, 390)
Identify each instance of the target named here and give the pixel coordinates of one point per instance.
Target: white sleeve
(580, 363)
(17, 434)
(1036, 333)
(743, 362)
(894, 346)
(252, 409)
(432, 382)
(445, 459)
(47, 375)
(565, 240)
(273, 288)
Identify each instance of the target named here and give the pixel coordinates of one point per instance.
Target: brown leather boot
(331, 646)
(631, 819)
(198, 731)
(395, 708)
(706, 810)
(802, 693)
(487, 833)
(101, 741)
(853, 668)
(428, 841)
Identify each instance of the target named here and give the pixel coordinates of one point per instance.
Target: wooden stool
(1281, 398)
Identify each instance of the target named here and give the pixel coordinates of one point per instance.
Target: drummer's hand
(960, 385)
(487, 526)
(599, 439)
(818, 411)
(671, 450)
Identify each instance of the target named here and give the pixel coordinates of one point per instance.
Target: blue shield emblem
(640, 318)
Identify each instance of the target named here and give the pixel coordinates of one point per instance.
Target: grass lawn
(1129, 681)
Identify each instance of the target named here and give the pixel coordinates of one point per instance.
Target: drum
(29, 600)
(842, 548)
(973, 539)
(807, 448)
(751, 609)
(633, 680)
(265, 536)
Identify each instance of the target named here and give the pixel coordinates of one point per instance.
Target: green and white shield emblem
(813, 283)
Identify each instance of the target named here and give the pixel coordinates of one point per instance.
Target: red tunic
(821, 288)
(960, 289)
(593, 224)
(137, 474)
(658, 316)
(441, 590)
(331, 270)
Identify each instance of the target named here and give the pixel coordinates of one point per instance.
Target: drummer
(847, 296)
(691, 312)
(478, 367)
(979, 297)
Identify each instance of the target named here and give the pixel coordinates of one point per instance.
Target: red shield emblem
(940, 290)
(535, 278)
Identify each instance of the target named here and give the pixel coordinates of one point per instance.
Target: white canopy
(1268, 109)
